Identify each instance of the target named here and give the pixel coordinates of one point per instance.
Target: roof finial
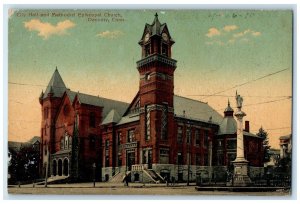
(156, 15)
(228, 102)
(55, 68)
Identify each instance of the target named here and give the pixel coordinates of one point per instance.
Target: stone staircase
(53, 179)
(118, 178)
(154, 176)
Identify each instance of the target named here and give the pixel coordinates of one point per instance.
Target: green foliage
(23, 164)
(266, 147)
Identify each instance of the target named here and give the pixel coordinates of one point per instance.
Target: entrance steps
(53, 179)
(156, 178)
(118, 178)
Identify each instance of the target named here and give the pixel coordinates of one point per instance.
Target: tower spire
(156, 25)
(228, 110)
(155, 18)
(56, 85)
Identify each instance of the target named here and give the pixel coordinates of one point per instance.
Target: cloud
(45, 29)
(256, 33)
(241, 34)
(213, 32)
(229, 28)
(229, 35)
(216, 32)
(110, 34)
(247, 32)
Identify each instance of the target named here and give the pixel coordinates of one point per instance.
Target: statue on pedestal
(239, 100)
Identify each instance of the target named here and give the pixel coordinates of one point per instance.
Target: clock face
(165, 37)
(147, 36)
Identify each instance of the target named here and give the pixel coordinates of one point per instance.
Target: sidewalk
(105, 185)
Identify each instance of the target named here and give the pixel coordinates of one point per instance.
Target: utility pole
(47, 166)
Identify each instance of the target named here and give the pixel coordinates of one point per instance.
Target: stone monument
(240, 174)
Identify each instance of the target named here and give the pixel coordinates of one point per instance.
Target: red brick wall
(89, 153)
(64, 122)
(110, 133)
(49, 123)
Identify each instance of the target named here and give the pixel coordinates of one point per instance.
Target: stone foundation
(207, 174)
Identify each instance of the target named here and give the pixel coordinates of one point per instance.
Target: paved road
(133, 189)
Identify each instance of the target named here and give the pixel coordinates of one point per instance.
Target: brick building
(157, 135)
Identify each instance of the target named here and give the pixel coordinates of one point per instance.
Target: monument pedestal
(240, 175)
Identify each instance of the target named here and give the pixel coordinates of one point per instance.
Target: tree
(266, 147)
(23, 164)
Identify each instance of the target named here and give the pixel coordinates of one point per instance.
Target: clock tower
(156, 88)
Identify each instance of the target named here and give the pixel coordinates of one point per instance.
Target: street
(133, 189)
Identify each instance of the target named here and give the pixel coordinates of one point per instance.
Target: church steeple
(156, 39)
(156, 25)
(156, 67)
(56, 86)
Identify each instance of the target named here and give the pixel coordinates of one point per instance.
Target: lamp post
(94, 176)
(47, 166)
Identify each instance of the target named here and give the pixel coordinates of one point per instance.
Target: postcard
(150, 102)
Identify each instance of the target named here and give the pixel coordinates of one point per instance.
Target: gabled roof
(107, 104)
(195, 110)
(16, 146)
(56, 85)
(112, 117)
(35, 139)
(71, 95)
(129, 119)
(134, 101)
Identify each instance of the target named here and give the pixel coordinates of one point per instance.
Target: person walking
(173, 181)
(126, 179)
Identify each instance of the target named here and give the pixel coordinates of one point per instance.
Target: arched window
(66, 142)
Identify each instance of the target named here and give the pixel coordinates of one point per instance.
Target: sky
(95, 51)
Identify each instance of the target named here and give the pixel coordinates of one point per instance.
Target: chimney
(247, 126)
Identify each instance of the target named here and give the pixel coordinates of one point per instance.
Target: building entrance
(130, 160)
